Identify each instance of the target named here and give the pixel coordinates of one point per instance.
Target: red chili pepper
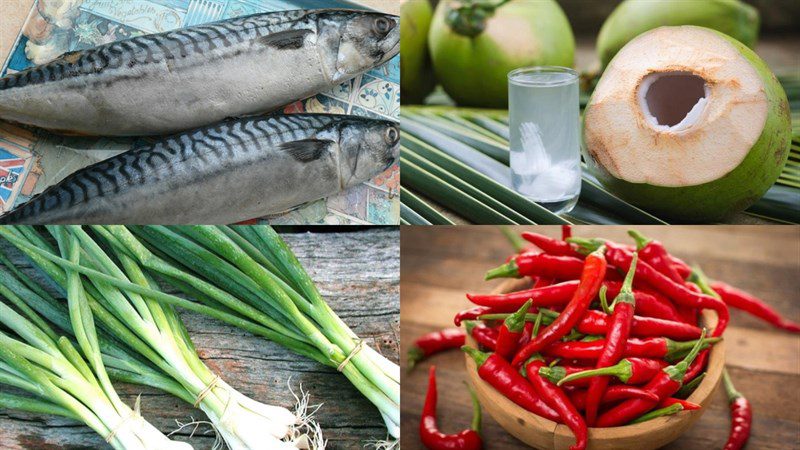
(557, 294)
(679, 293)
(471, 314)
(526, 335)
(541, 282)
(596, 323)
(681, 267)
(741, 415)
(486, 337)
(511, 332)
(566, 232)
(613, 394)
(642, 348)
(559, 401)
(687, 406)
(551, 246)
(591, 279)
(429, 432)
(619, 329)
(697, 366)
(435, 342)
(558, 267)
(664, 384)
(653, 252)
(647, 303)
(502, 376)
(746, 302)
(628, 370)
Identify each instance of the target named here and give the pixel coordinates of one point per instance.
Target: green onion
(62, 382)
(128, 304)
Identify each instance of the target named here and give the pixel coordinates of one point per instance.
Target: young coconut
(687, 123)
(633, 17)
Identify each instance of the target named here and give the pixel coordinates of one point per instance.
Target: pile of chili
(429, 432)
(603, 365)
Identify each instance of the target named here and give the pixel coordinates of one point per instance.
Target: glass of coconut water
(544, 117)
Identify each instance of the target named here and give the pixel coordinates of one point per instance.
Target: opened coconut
(688, 123)
(633, 17)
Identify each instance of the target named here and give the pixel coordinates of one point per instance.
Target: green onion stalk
(64, 381)
(127, 302)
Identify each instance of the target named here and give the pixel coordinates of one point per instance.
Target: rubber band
(132, 416)
(206, 391)
(353, 353)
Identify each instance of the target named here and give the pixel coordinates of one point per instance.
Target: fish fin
(70, 57)
(306, 150)
(289, 39)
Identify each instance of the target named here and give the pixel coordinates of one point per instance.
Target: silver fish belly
(184, 79)
(226, 173)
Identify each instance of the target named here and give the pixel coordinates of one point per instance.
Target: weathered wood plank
(357, 272)
(438, 265)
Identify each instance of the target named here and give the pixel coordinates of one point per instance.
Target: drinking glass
(544, 118)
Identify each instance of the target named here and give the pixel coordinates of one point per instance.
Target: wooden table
(440, 264)
(357, 272)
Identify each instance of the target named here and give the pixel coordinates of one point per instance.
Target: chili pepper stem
(415, 355)
(641, 240)
(507, 270)
(514, 239)
(666, 411)
(621, 370)
(689, 387)
(675, 349)
(678, 371)
(478, 356)
(586, 246)
(730, 389)
(476, 409)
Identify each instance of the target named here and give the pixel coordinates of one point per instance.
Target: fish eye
(392, 135)
(382, 26)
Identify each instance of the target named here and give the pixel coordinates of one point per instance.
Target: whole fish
(184, 79)
(225, 173)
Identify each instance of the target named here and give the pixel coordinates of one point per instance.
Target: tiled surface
(31, 161)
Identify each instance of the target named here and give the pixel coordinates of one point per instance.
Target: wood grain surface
(357, 272)
(440, 264)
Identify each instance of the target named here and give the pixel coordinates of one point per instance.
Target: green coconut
(416, 73)
(633, 17)
(689, 124)
(475, 44)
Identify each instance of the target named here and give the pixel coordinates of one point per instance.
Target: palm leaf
(424, 209)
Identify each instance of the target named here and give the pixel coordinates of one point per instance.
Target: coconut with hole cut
(689, 124)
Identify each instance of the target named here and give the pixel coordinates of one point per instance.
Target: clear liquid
(545, 138)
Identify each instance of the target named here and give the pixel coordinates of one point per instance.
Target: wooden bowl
(541, 433)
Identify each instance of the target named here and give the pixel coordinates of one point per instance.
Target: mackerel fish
(187, 78)
(225, 173)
